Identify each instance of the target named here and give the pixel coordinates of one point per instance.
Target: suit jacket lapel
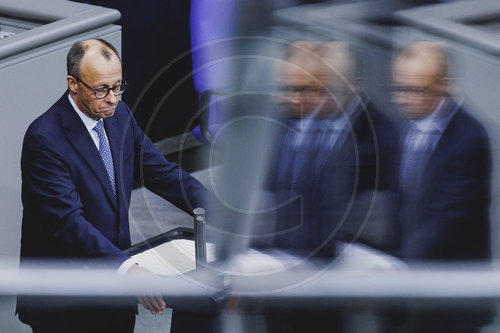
(446, 145)
(80, 138)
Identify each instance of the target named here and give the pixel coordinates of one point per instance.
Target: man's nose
(297, 97)
(111, 98)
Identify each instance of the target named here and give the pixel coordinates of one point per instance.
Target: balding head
(300, 75)
(80, 49)
(317, 77)
(428, 58)
(301, 56)
(420, 75)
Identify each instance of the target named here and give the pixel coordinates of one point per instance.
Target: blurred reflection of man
(335, 146)
(445, 163)
(326, 157)
(444, 172)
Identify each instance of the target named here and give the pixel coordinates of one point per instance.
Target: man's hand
(155, 304)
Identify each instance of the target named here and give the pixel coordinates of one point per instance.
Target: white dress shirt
(89, 125)
(425, 133)
(88, 122)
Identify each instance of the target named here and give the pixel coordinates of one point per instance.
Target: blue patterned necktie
(105, 153)
(415, 158)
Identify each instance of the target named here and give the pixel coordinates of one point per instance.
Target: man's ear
(72, 84)
(454, 87)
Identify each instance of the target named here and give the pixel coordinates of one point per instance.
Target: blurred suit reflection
(444, 176)
(445, 165)
(333, 146)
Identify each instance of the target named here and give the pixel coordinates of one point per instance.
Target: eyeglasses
(415, 91)
(303, 90)
(412, 91)
(101, 93)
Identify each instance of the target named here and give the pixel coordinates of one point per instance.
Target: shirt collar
(439, 119)
(87, 121)
(349, 116)
(338, 124)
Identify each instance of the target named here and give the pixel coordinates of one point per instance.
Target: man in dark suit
(335, 147)
(444, 176)
(445, 163)
(79, 162)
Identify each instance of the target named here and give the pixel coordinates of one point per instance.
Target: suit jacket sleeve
(456, 222)
(165, 178)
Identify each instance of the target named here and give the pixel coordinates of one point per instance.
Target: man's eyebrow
(103, 85)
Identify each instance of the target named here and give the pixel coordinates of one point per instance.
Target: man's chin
(413, 115)
(107, 113)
